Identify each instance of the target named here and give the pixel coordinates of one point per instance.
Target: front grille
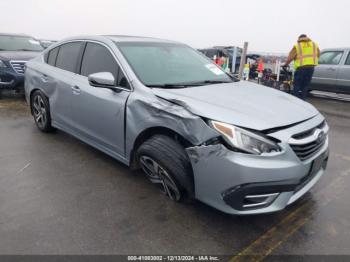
(18, 66)
(309, 132)
(307, 150)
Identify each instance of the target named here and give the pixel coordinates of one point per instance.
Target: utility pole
(278, 69)
(243, 59)
(234, 57)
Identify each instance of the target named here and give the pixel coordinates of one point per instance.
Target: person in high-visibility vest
(246, 71)
(305, 54)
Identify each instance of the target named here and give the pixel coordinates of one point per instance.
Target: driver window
(96, 59)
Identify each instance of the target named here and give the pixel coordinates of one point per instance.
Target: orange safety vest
(306, 54)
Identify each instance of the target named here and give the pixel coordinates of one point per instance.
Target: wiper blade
(183, 85)
(216, 82)
(171, 85)
(209, 82)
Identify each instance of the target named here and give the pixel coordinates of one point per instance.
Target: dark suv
(15, 51)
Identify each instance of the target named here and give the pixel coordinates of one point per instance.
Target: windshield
(166, 64)
(19, 43)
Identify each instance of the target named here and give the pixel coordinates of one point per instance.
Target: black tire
(173, 159)
(40, 107)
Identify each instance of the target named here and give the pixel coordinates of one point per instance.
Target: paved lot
(60, 196)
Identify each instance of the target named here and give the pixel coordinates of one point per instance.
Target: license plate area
(316, 165)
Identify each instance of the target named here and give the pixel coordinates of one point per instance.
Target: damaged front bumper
(238, 183)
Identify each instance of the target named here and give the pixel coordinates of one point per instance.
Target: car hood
(241, 103)
(18, 55)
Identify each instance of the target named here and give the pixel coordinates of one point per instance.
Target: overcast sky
(268, 25)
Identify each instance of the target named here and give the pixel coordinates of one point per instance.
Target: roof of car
(129, 38)
(117, 38)
(336, 49)
(11, 34)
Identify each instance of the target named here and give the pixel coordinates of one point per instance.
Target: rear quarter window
(51, 56)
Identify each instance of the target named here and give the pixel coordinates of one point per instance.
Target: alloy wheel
(158, 175)
(39, 111)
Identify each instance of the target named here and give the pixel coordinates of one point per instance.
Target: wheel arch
(31, 96)
(148, 133)
(165, 131)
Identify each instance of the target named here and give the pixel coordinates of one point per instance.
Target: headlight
(2, 64)
(244, 140)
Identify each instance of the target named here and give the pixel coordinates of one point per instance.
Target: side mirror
(102, 79)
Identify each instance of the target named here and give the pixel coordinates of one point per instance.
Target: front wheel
(166, 164)
(41, 111)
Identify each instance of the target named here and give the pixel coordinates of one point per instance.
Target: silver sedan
(197, 132)
(333, 72)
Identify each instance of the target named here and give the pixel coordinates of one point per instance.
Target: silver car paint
(256, 111)
(123, 116)
(237, 168)
(333, 78)
(143, 107)
(343, 77)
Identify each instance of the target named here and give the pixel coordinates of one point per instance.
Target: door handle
(76, 90)
(44, 77)
(331, 69)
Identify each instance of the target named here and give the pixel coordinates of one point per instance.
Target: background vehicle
(196, 132)
(220, 51)
(333, 72)
(15, 51)
(46, 43)
(227, 51)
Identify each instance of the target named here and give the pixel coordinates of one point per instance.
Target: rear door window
(68, 56)
(51, 60)
(330, 57)
(98, 58)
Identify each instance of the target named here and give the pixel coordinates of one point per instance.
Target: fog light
(259, 200)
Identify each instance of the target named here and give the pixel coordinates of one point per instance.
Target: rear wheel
(166, 164)
(41, 111)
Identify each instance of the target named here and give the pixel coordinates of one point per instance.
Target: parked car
(15, 51)
(221, 51)
(227, 51)
(46, 43)
(196, 132)
(333, 72)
